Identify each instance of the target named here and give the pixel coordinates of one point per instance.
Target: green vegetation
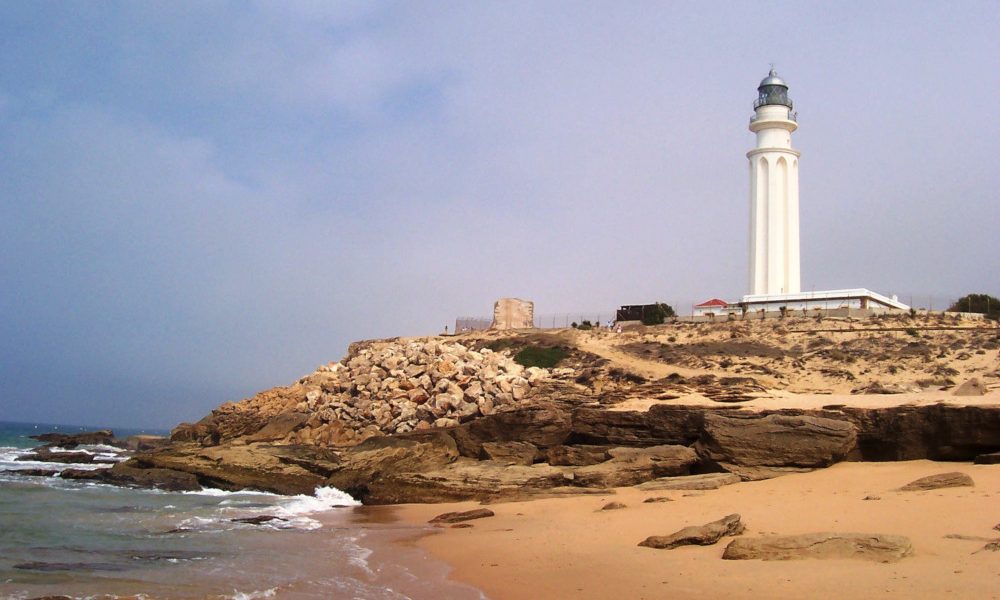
(978, 303)
(658, 313)
(535, 356)
(585, 326)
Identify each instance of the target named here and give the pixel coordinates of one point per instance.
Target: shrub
(978, 303)
(535, 356)
(585, 326)
(657, 314)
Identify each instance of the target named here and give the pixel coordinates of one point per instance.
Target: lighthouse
(774, 222)
(774, 192)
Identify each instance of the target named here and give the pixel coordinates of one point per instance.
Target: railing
(792, 116)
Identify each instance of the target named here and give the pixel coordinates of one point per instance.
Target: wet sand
(569, 548)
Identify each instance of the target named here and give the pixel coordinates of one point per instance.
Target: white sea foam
(325, 498)
(271, 593)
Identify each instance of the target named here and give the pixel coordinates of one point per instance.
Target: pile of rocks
(399, 386)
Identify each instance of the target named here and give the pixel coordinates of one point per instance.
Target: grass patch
(534, 356)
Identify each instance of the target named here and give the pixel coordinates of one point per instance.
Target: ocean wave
(255, 595)
(324, 499)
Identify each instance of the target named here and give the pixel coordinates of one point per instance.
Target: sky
(201, 200)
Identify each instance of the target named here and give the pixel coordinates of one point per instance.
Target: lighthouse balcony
(792, 116)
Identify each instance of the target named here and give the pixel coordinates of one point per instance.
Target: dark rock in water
(45, 454)
(457, 517)
(701, 535)
(78, 566)
(935, 482)
(72, 440)
(128, 476)
(34, 472)
(258, 519)
(988, 459)
(865, 546)
(774, 440)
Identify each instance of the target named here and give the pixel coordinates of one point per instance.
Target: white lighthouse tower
(774, 218)
(774, 192)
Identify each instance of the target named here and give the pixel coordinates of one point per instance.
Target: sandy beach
(569, 548)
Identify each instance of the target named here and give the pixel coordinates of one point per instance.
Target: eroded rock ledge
(587, 448)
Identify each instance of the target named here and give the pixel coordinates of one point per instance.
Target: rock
(258, 519)
(972, 387)
(457, 517)
(129, 476)
(510, 453)
(774, 440)
(613, 506)
(865, 546)
(879, 388)
(45, 454)
(706, 481)
(34, 472)
(145, 443)
(579, 456)
(702, 535)
(993, 546)
(942, 480)
(988, 459)
(655, 499)
(544, 425)
(659, 425)
(72, 440)
(629, 466)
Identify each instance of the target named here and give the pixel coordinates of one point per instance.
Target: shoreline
(568, 547)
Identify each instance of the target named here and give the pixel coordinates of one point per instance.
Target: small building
(715, 306)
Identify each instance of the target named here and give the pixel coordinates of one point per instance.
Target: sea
(80, 539)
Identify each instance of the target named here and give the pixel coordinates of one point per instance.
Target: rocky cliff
(436, 419)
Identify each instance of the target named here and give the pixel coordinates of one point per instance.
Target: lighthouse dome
(772, 90)
(772, 79)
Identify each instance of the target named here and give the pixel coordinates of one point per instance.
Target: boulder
(510, 453)
(458, 517)
(864, 546)
(972, 387)
(936, 482)
(613, 506)
(544, 425)
(629, 466)
(702, 535)
(774, 440)
(45, 454)
(705, 481)
(578, 455)
(145, 443)
(279, 427)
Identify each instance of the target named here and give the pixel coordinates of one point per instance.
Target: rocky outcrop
(972, 387)
(72, 440)
(510, 453)
(864, 546)
(379, 388)
(701, 535)
(751, 445)
(46, 454)
(935, 432)
(939, 481)
(629, 466)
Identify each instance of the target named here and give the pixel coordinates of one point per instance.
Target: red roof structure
(713, 303)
